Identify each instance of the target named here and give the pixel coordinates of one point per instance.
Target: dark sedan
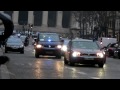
(14, 44)
(84, 52)
(117, 52)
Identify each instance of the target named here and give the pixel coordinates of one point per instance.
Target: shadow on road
(85, 65)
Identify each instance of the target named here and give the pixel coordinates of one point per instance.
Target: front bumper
(14, 49)
(48, 51)
(87, 60)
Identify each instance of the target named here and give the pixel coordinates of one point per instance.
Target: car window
(11, 40)
(49, 37)
(85, 45)
(112, 45)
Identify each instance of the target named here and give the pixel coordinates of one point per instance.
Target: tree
(96, 19)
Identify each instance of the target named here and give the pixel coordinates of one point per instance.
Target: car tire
(101, 65)
(36, 55)
(114, 56)
(58, 56)
(22, 52)
(71, 63)
(65, 60)
(119, 56)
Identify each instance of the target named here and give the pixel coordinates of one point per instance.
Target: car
(110, 49)
(48, 44)
(25, 40)
(14, 44)
(64, 45)
(117, 51)
(84, 51)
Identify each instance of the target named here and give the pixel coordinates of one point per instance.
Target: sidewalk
(4, 73)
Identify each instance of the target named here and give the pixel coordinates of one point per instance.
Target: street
(26, 66)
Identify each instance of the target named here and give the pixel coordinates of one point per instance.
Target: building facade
(43, 21)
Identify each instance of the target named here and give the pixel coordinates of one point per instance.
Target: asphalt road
(26, 66)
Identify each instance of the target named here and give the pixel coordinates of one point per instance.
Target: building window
(52, 18)
(23, 18)
(66, 19)
(37, 18)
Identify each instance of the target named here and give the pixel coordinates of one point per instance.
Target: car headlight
(59, 46)
(64, 48)
(100, 55)
(75, 54)
(39, 46)
(103, 52)
(21, 46)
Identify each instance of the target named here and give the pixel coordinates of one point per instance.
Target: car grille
(49, 46)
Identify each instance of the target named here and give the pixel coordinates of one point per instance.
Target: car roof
(80, 39)
(47, 33)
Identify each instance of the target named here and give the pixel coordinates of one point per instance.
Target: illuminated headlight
(59, 46)
(22, 46)
(39, 46)
(103, 52)
(35, 44)
(64, 48)
(75, 54)
(100, 55)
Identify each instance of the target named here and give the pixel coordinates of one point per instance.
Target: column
(59, 19)
(15, 17)
(30, 17)
(44, 18)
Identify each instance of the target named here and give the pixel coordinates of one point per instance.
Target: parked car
(117, 51)
(84, 52)
(110, 49)
(14, 44)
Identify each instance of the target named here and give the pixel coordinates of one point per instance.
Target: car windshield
(85, 45)
(23, 38)
(49, 37)
(14, 40)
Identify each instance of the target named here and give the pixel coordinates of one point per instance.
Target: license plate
(49, 52)
(89, 58)
(14, 47)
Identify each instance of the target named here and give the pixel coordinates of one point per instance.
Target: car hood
(50, 43)
(18, 44)
(93, 51)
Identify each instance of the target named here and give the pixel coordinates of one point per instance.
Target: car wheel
(71, 63)
(100, 65)
(58, 56)
(65, 60)
(36, 55)
(22, 52)
(118, 56)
